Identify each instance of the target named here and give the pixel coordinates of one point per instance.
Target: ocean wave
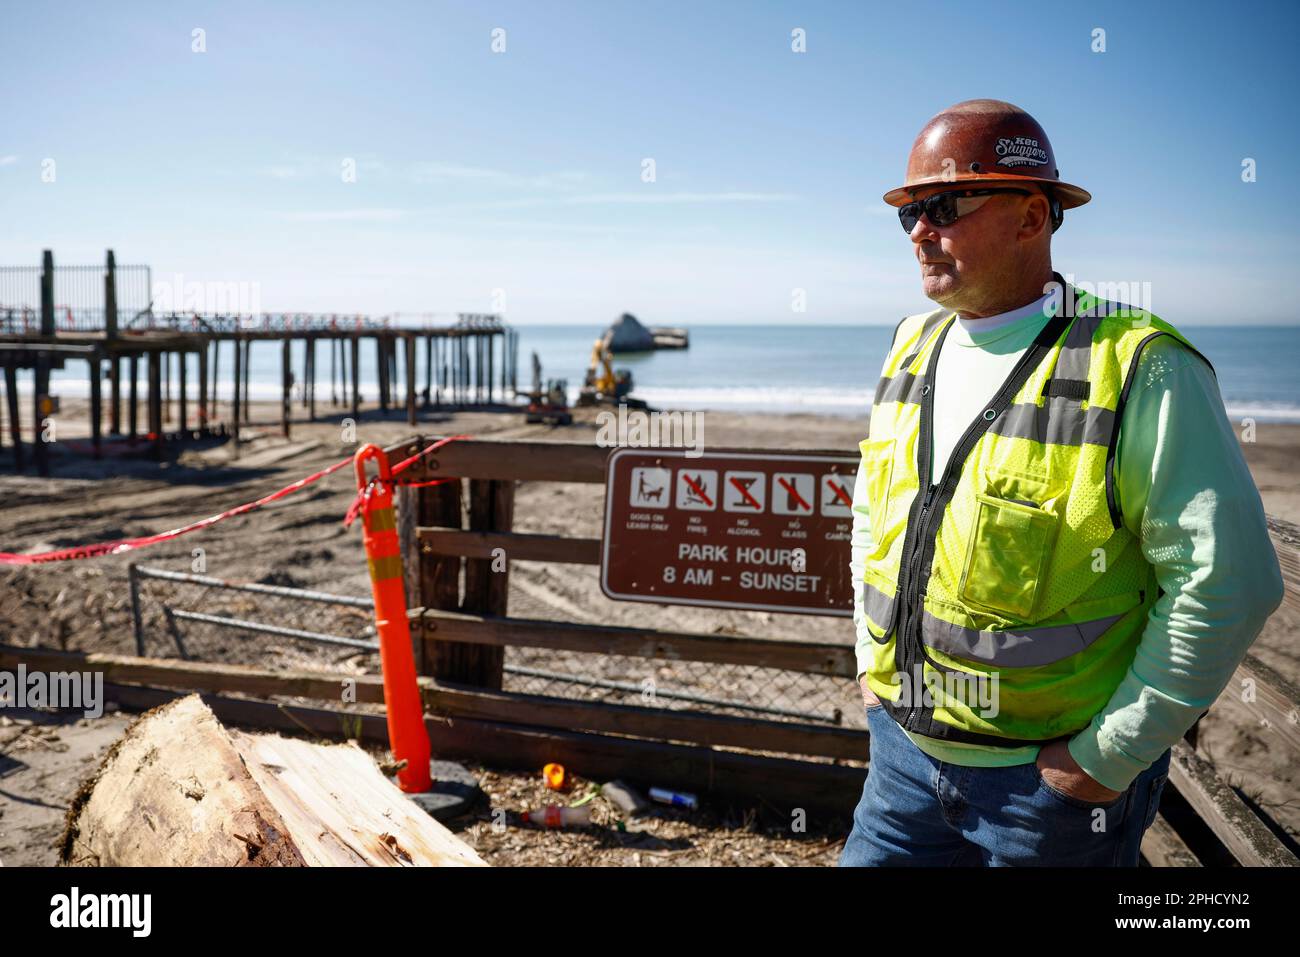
(816, 400)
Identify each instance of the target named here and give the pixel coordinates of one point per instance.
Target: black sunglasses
(941, 208)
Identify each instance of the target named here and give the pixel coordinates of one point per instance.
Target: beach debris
(675, 798)
(625, 797)
(554, 816)
(553, 775)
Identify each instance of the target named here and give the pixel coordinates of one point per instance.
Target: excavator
(605, 385)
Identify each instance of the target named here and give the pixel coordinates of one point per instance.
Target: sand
(300, 541)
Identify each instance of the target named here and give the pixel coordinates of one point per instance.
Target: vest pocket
(1005, 559)
(877, 473)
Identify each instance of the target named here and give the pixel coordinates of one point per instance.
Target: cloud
(8, 160)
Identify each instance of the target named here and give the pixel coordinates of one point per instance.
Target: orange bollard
(405, 711)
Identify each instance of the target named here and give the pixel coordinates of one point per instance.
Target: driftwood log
(179, 789)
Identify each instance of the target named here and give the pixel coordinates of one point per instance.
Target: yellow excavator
(605, 385)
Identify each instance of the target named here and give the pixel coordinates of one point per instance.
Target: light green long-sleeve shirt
(1185, 491)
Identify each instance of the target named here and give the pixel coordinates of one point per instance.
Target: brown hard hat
(984, 141)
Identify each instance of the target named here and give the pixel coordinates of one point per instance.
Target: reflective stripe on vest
(1013, 648)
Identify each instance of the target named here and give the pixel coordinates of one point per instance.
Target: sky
(514, 179)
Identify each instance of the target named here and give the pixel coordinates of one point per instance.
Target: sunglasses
(941, 208)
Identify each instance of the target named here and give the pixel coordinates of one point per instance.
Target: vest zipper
(912, 598)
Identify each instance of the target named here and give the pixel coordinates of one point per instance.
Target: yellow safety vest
(1005, 597)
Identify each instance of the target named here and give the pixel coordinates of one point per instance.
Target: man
(1059, 554)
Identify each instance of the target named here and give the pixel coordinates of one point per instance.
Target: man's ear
(1038, 215)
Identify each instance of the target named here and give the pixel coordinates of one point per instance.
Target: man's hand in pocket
(869, 699)
(1059, 769)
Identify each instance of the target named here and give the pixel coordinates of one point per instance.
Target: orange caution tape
(129, 544)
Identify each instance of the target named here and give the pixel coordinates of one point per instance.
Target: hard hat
(984, 141)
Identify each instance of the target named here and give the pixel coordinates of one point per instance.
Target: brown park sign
(758, 530)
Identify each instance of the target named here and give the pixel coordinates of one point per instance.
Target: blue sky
(521, 171)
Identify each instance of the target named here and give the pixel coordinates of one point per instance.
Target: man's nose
(923, 231)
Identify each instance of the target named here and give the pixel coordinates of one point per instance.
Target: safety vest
(1005, 596)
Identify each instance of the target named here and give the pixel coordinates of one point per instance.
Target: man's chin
(939, 288)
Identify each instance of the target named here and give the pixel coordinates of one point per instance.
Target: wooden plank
(813, 657)
(459, 701)
(1247, 837)
(1273, 700)
(526, 461)
(655, 723)
(518, 546)
(504, 459)
(782, 784)
(1286, 540)
(342, 811)
(195, 675)
(1162, 847)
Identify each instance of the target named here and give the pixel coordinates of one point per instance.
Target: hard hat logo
(984, 141)
(1021, 151)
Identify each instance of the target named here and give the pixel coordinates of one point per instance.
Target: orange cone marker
(405, 710)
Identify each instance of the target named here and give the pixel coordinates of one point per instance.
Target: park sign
(735, 529)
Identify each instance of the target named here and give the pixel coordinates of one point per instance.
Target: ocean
(785, 368)
(833, 369)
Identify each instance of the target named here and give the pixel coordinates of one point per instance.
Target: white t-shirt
(976, 358)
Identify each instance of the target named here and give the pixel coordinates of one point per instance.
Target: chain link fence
(741, 690)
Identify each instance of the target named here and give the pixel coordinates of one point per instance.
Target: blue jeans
(919, 812)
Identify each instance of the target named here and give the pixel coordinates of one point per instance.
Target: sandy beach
(300, 541)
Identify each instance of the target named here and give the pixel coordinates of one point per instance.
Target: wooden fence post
(491, 509)
(432, 581)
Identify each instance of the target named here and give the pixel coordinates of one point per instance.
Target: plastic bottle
(555, 816)
(676, 798)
